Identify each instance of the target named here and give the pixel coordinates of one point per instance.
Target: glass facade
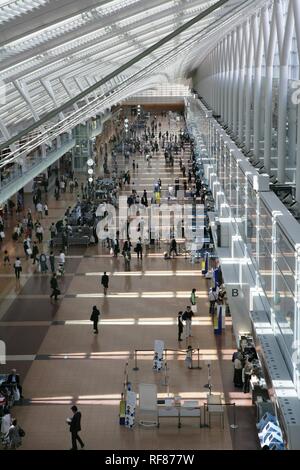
(265, 228)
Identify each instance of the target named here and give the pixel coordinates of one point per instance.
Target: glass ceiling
(43, 65)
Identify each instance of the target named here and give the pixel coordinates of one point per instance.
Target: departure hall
(149, 225)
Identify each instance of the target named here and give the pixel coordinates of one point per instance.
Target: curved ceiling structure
(57, 55)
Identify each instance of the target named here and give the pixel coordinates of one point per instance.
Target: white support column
(269, 91)
(258, 34)
(218, 87)
(283, 95)
(227, 81)
(248, 86)
(217, 76)
(282, 115)
(296, 7)
(211, 81)
(292, 135)
(242, 79)
(231, 75)
(236, 77)
(298, 156)
(221, 78)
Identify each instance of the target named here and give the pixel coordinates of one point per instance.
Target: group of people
(243, 369)
(61, 184)
(127, 247)
(10, 391)
(41, 260)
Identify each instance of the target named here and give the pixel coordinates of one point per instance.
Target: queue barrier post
(234, 426)
(135, 361)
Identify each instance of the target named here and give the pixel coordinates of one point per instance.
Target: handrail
(206, 405)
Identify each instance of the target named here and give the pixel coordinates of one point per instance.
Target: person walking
(14, 379)
(39, 209)
(39, 233)
(179, 325)
(43, 263)
(116, 247)
(238, 370)
(6, 259)
(176, 186)
(189, 357)
(6, 422)
(54, 287)
(75, 427)
(46, 210)
(56, 193)
(27, 249)
(144, 199)
(52, 262)
(246, 375)
(187, 317)
(105, 282)
(13, 437)
(139, 248)
(18, 268)
(126, 252)
(53, 230)
(35, 252)
(65, 240)
(173, 247)
(213, 297)
(193, 300)
(95, 319)
(62, 260)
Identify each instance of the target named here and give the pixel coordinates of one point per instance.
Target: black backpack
(184, 316)
(94, 315)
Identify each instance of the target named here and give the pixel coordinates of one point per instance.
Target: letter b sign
(235, 292)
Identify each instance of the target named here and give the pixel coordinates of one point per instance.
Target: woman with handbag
(193, 300)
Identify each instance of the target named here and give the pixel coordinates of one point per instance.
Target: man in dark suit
(104, 282)
(75, 427)
(14, 379)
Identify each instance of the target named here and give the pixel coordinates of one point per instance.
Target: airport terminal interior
(150, 224)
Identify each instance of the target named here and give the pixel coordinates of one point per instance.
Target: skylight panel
(14, 8)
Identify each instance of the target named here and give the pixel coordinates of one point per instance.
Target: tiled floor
(70, 364)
